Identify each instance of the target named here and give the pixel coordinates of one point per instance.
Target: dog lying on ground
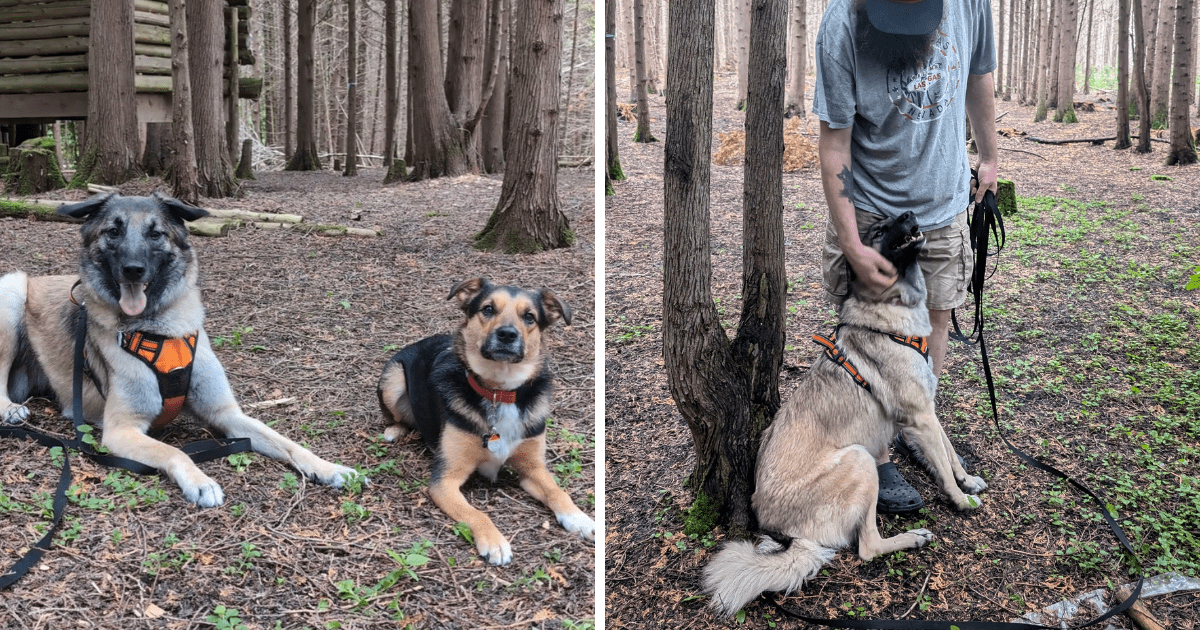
(816, 479)
(479, 400)
(147, 354)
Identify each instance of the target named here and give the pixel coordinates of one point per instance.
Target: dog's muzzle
(504, 345)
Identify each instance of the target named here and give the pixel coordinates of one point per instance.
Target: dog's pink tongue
(133, 298)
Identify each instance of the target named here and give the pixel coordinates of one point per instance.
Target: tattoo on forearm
(847, 182)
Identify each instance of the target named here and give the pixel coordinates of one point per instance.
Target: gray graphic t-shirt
(908, 147)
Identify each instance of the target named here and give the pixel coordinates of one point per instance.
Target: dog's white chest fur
(512, 433)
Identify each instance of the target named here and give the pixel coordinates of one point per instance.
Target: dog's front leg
(927, 432)
(459, 454)
(529, 460)
(211, 398)
(124, 437)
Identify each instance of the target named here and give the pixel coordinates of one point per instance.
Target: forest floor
(315, 318)
(1094, 344)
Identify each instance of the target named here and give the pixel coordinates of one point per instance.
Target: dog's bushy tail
(742, 571)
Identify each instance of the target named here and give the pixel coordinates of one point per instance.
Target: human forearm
(981, 111)
(834, 152)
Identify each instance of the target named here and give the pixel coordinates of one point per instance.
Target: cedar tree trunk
(612, 158)
(438, 148)
(391, 83)
(289, 105)
(182, 176)
(1183, 148)
(306, 157)
(528, 217)
(206, 43)
(464, 68)
(351, 90)
(642, 133)
(110, 154)
(491, 136)
(727, 391)
(1122, 75)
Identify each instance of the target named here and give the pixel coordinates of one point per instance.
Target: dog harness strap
(920, 344)
(838, 357)
(171, 360)
(492, 395)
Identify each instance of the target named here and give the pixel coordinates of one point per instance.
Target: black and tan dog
(480, 399)
(148, 357)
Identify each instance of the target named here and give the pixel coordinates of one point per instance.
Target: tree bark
(528, 217)
(726, 391)
(182, 175)
(612, 157)
(1150, 12)
(743, 34)
(289, 105)
(245, 167)
(1160, 82)
(1183, 147)
(438, 148)
(1087, 53)
(1043, 69)
(642, 134)
(1055, 49)
(1001, 66)
(110, 155)
(798, 62)
(391, 83)
(306, 157)
(352, 76)
(1139, 78)
(1011, 57)
(465, 70)
(492, 133)
(206, 43)
(1066, 64)
(1122, 75)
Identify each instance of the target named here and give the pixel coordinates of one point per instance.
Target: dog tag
(493, 442)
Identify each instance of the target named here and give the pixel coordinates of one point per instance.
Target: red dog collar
(495, 395)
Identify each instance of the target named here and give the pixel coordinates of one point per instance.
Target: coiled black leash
(985, 221)
(199, 452)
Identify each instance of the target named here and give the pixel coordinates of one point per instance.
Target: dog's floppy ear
(466, 291)
(85, 209)
(554, 308)
(179, 210)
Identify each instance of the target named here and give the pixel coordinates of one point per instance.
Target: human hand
(986, 180)
(874, 271)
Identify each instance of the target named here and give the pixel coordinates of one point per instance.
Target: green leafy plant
(224, 618)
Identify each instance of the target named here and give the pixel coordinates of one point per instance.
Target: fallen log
(1070, 140)
(318, 228)
(1138, 611)
(249, 215)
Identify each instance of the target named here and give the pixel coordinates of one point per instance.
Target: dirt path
(315, 318)
(1095, 343)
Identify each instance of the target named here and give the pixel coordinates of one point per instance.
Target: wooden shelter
(44, 53)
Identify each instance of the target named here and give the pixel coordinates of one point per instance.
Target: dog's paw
(969, 502)
(972, 484)
(579, 523)
(923, 536)
(15, 414)
(205, 494)
(395, 432)
(495, 549)
(341, 476)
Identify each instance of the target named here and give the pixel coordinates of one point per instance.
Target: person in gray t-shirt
(895, 81)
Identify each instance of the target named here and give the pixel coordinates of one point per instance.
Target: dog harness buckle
(171, 361)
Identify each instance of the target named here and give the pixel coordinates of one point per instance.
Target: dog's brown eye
(154, 235)
(530, 319)
(488, 310)
(114, 232)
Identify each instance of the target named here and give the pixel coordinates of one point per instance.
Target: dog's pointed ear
(466, 291)
(85, 209)
(554, 308)
(179, 210)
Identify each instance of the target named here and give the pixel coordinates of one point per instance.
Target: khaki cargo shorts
(946, 261)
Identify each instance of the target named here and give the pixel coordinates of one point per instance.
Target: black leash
(985, 220)
(200, 451)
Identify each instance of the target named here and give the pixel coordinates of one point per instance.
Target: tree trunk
(289, 106)
(1087, 53)
(642, 134)
(231, 86)
(245, 167)
(1160, 82)
(492, 134)
(999, 77)
(351, 89)
(33, 168)
(182, 176)
(306, 157)
(1149, 24)
(110, 155)
(743, 35)
(438, 148)
(612, 157)
(1139, 78)
(528, 217)
(156, 154)
(465, 70)
(1122, 75)
(1011, 57)
(1066, 64)
(1026, 58)
(798, 61)
(1183, 147)
(1043, 68)
(1056, 20)
(206, 43)
(391, 83)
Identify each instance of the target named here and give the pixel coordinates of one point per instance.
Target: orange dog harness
(171, 361)
(920, 344)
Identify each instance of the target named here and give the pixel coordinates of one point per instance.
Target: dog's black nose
(904, 217)
(133, 271)
(507, 334)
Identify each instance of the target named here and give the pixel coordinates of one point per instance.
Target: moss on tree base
(397, 172)
(33, 168)
(701, 517)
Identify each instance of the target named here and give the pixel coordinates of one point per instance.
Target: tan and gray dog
(147, 354)
(816, 480)
(480, 400)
